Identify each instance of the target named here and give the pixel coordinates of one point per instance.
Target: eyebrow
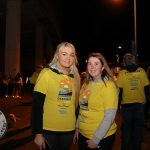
(94, 62)
(67, 53)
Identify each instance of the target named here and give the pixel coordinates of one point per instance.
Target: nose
(92, 66)
(68, 57)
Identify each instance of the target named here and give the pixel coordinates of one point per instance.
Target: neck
(64, 70)
(96, 79)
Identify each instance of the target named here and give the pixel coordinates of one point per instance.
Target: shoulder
(109, 83)
(141, 69)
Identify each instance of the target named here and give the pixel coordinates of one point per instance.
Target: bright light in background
(115, 1)
(119, 47)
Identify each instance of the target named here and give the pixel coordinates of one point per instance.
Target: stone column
(39, 46)
(12, 37)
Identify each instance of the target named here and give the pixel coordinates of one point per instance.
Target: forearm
(104, 126)
(37, 112)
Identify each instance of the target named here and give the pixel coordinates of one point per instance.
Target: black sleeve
(37, 112)
(120, 97)
(147, 91)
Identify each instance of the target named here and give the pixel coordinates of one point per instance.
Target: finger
(44, 145)
(87, 141)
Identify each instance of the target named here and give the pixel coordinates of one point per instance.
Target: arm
(105, 125)
(37, 112)
(37, 118)
(120, 98)
(147, 91)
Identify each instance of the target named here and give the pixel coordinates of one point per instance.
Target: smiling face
(95, 68)
(65, 59)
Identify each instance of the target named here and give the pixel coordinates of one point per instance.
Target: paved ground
(20, 136)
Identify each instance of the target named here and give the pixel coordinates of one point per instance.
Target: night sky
(103, 25)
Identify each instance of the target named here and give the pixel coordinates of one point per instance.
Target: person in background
(83, 76)
(18, 84)
(10, 86)
(5, 86)
(98, 102)
(34, 77)
(147, 105)
(134, 91)
(112, 69)
(55, 99)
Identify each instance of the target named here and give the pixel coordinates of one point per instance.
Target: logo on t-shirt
(84, 100)
(65, 91)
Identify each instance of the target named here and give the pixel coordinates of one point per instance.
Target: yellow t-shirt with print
(93, 102)
(133, 85)
(59, 105)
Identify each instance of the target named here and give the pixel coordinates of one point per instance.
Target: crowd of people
(12, 87)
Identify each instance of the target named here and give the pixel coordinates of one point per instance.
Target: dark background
(103, 25)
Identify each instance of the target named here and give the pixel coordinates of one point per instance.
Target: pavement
(19, 137)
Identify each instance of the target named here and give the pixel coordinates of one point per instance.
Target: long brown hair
(106, 73)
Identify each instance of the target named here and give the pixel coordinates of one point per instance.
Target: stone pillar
(12, 37)
(39, 46)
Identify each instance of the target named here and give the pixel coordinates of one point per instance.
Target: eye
(88, 63)
(72, 55)
(64, 54)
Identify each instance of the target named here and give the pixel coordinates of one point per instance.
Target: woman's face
(65, 58)
(94, 67)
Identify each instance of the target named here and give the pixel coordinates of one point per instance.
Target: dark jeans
(18, 89)
(105, 144)
(59, 141)
(132, 118)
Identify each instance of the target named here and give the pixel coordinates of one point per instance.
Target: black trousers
(105, 144)
(59, 141)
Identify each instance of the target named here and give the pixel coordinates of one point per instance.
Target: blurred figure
(134, 85)
(83, 76)
(34, 77)
(10, 86)
(18, 84)
(5, 86)
(147, 102)
(112, 69)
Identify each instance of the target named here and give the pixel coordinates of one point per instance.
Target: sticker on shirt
(65, 91)
(84, 101)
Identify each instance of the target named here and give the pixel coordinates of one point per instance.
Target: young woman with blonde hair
(55, 99)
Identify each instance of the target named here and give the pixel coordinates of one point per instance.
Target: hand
(39, 141)
(91, 144)
(76, 136)
(119, 112)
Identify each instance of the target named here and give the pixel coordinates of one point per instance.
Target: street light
(134, 44)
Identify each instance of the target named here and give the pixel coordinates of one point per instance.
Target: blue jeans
(132, 116)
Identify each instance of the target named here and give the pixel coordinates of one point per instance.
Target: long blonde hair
(73, 68)
(106, 73)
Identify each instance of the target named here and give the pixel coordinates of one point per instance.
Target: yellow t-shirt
(33, 78)
(59, 105)
(133, 85)
(93, 102)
